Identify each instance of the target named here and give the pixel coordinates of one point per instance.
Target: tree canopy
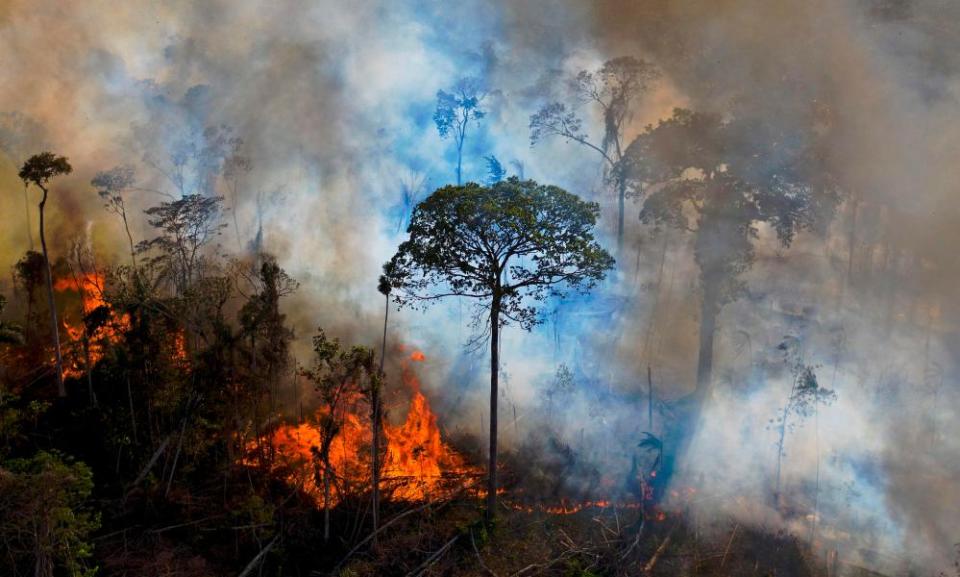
(518, 241)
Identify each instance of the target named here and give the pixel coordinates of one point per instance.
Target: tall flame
(417, 463)
(83, 350)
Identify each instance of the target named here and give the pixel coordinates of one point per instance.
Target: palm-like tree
(38, 170)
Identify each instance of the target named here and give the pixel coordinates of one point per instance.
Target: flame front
(416, 465)
(83, 351)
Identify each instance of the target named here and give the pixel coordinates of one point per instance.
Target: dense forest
(555, 288)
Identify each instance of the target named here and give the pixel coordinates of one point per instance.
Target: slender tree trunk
(26, 206)
(54, 325)
(851, 249)
(780, 444)
(494, 382)
(709, 310)
(459, 161)
(621, 209)
(133, 252)
(649, 399)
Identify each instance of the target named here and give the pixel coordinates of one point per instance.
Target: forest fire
(417, 464)
(97, 326)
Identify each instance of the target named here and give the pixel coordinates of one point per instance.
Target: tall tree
(804, 399)
(455, 110)
(376, 407)
(510, 247)
(719, 180)
(613, 89)
(111, 185)
(38, 170)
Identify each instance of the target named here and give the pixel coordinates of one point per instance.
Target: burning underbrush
(89, 328)
(417, 464)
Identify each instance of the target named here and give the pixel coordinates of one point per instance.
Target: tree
(338, 376)
(719, 180)
(614, 89)
(509, 246)
(455, 110)
(411, 188)
(186, 225)
(376, 409)
(38, 170)
(264, 327)
(111, 185)
(805, 396)
(495, 171)
(45, 523)
(235, 167)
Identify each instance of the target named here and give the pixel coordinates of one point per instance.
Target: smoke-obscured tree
(613, 90)
(720, 180)
(805, 396)
(38, 170)
(560, 389)
(185, 227)
(411, 189)
(510, 246)
(236, 166)
(495, 171)
(339, 375)
(455, 110)
(263, 328)
(111, 185)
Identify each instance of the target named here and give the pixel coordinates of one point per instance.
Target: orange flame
(416, 465)
(82, 350)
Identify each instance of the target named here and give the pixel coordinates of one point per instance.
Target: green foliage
(40, 168)
(517, 242)
(14, 418)
(341, 376)
(45, 522)
(10, 333)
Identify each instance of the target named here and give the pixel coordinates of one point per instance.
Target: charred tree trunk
(494, 382)
(54, 325)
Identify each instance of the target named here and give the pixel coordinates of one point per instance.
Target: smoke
(334, 107)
